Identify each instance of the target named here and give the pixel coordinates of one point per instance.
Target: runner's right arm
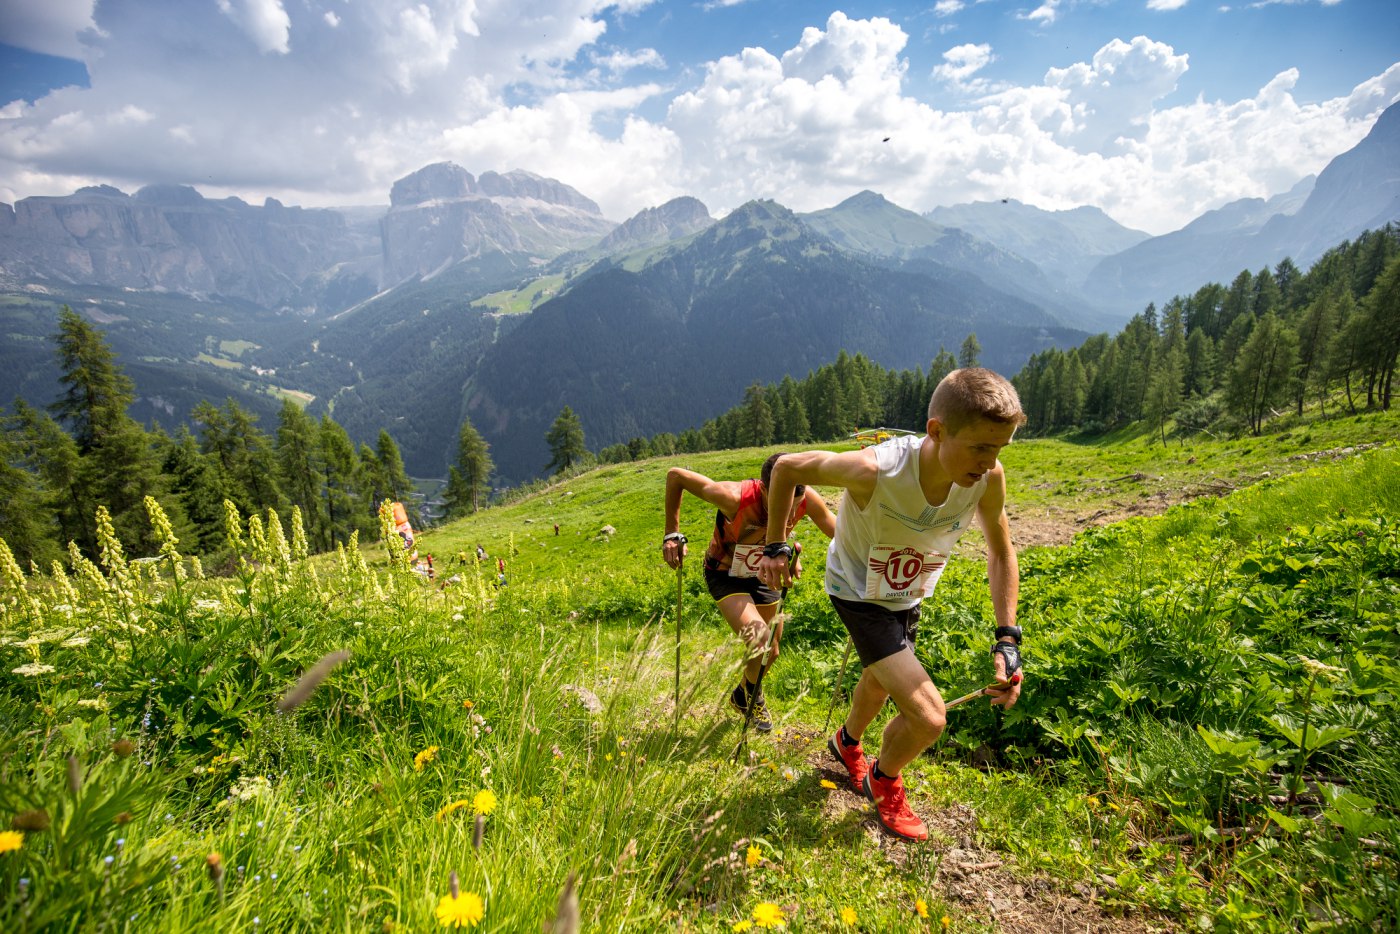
(853, 471)
(723, 495)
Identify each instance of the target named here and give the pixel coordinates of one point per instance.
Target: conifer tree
(970, 353)
(397, 486)
(25, 525)
(469, 482)
(301, 471)
(565, 440)
(757, 427)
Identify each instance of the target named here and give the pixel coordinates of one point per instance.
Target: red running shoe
(892, 809)
(853, 758)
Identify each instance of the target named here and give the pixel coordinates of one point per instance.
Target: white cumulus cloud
(52, 27)
(961, 62)
(332, 109)
(265, 21)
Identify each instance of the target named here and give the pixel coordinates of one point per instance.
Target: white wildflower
(32, 669)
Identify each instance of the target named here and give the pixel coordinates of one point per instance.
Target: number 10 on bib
(895, 572)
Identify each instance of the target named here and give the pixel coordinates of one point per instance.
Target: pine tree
(565, 440)
(195, 481)
(97, 393)
(970, 352)
(1314, 336)
(397, 486)
(346, 511)
(757, 419)
(52, 456)
(25, 525)
(474, 469)
(302, 473)
(116, 465)
(1262, 374)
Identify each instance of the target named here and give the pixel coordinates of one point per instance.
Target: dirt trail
(979, 880)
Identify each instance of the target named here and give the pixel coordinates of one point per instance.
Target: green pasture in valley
(1207, 740)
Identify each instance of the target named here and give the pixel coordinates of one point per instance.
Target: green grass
(1139, 635)
(219, 362)
(236, 348)
(522, 299)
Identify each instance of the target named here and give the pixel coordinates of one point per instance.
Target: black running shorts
(876, 631)
(721, 585)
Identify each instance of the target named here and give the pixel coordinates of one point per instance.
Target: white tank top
(893, 551)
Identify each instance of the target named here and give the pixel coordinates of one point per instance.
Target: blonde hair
(965, 395)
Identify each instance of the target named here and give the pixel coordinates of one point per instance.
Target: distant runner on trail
(735, 548)
(907, 502)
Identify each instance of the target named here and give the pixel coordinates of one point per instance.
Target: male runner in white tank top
(906, 502)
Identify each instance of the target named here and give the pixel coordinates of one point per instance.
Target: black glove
(1011, 654)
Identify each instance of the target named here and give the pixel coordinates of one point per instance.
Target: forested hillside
(57, 469)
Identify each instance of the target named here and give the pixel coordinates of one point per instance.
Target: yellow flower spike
(465, 910)
(848, 915)
(754, 856)
(769, 915)
(11, 840)
(485, 801)
(452, 808)
(424, 757)
(921, 907)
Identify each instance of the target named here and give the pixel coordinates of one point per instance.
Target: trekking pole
(680, 589)
(1015, 679)
(839, 679)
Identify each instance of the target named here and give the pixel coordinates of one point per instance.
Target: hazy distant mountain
(868, 223)
(1064, 244)
(677, 218)
(1212, 248)
(662, 340)
(172, 239)
(1357, 191)
(442, 215)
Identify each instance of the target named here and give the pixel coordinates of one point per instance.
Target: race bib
(746, 558)
(894, 572)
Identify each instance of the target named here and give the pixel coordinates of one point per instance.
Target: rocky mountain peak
(677, 218)
(168, 195)
(441, 181)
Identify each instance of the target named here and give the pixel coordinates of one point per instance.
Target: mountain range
(505, 296)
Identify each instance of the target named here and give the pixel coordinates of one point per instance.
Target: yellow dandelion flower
(921, 907)
(484, 801)
(607, 757)
(424, 757)
(754, 856)
(1114, 805)
(828, 784)
(452, 808)
(769, 915)
(465, 910)
(468, 704)
(848, 915)
(744, 925)
(1093, 801)
(11, 840)
(945, 921)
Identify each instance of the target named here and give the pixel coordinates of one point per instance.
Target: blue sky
(1153, 110)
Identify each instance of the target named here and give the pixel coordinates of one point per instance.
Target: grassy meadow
(1208, 738)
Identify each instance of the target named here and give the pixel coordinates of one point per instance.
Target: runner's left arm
(1003, 573)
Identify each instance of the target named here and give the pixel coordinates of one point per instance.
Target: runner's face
(968, 455)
